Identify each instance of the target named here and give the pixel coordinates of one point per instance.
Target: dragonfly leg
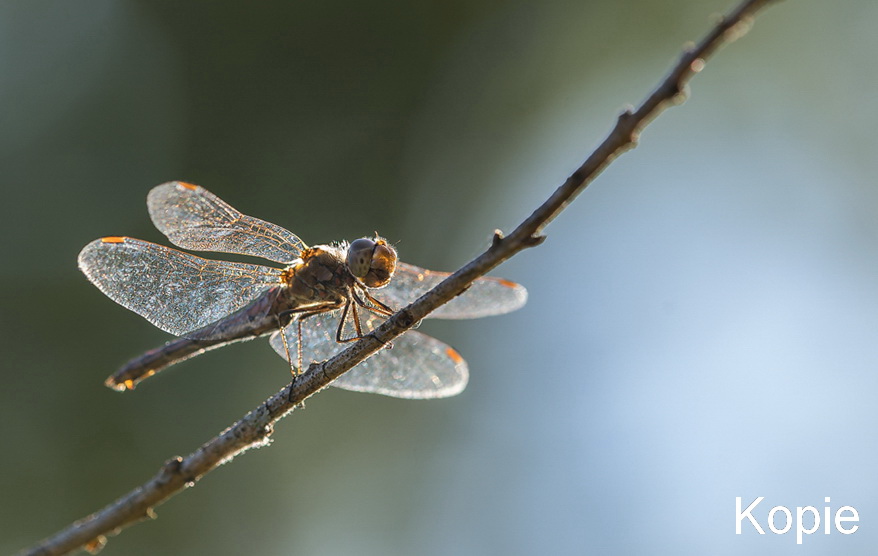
(352, 308)
(303, 314)
(377, 307)
(357, 326)
(374, 306)
(298, 368)
(293, 370)
(339, 332)
(298, 346)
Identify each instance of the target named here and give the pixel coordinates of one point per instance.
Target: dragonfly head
(372, 260)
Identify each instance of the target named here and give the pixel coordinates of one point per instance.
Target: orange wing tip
(127, 384)
(117, 386)
(114, 239)
(456, 357)
(188, 186)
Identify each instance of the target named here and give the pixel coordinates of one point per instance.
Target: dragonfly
(320, 298)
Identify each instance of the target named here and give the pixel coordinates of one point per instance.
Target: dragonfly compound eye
(359, 258)
(382, 266)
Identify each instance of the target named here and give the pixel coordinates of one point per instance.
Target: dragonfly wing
(486, 296)
(194, 218)
(416, 367)
(175, 291)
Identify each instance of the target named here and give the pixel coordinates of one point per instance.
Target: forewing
(416, 367)
(486, 296)
(175, 291)
(194, 218)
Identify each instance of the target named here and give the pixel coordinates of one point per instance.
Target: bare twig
(255, 428)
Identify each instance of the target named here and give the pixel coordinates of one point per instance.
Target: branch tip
(497, 239)
(681, 96)
(534, 240)
(172, 466)
(626, 116)
(738, 29)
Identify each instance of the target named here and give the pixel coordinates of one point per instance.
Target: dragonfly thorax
(319, 276)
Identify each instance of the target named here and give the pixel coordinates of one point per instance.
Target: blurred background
(701, 323)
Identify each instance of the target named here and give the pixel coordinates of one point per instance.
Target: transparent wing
(487, 296)
(194, 218)
(175, 291)
(417, 367)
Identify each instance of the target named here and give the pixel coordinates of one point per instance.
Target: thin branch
(256, 427)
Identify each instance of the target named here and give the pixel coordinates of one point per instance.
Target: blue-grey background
(702, 320)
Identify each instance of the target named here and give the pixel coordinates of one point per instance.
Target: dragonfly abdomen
(257, 318)
(155, 360)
